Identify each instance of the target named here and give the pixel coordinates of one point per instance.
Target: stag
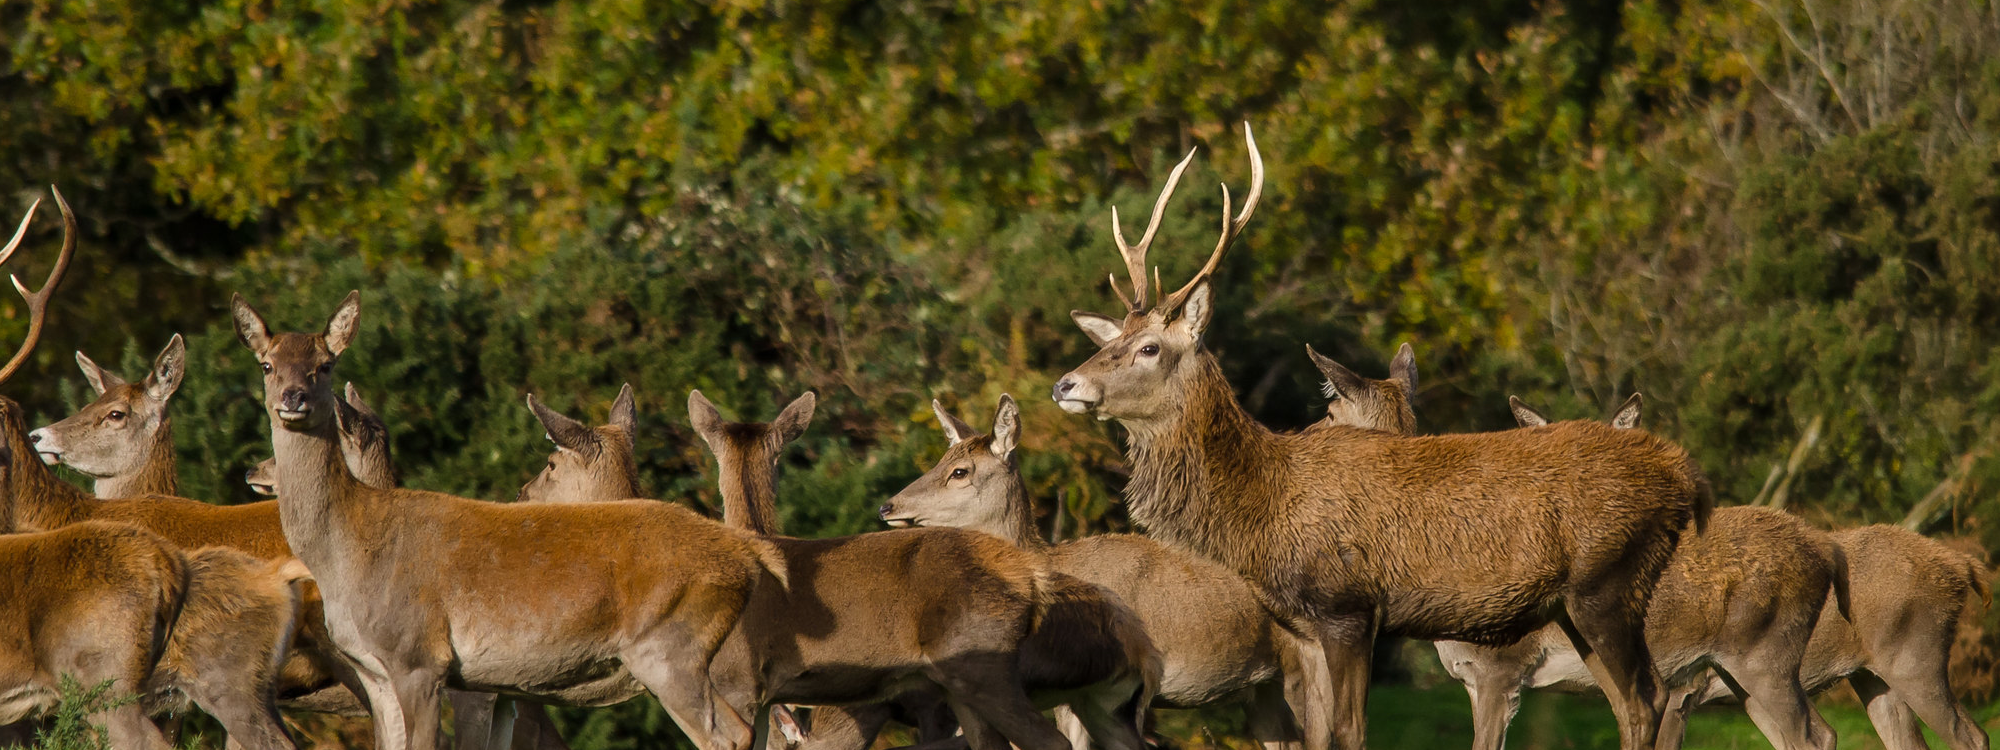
(1358, 533)
(870, 617)
(1219, 642)
(1888, 630)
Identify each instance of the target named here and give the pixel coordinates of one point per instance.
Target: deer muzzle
(294, 405)
(47, 446)
(1076, 395)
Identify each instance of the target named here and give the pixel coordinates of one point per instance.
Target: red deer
(124, 439)
(1358, 533)
(872, 616)
(586, 605)
(1219, 643)
(96, 602)
(1893, 645)
(1742, 599)
(364, 446)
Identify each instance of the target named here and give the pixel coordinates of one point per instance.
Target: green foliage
(1762, 220)
(70, 728)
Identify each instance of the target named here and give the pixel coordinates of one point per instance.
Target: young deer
(125, 439)
(1893, 644)
(364, 446)
(1219, 642)
(869, 617)
(1088, 652)
(588, 605)
(1359, 533)
(92, 601)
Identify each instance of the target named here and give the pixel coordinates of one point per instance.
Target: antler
(1230, 229)
(38, 300)
(1135, 257)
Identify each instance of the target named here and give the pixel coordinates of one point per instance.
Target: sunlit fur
(1218, 641)
(364, 445)
(125, 438)
(1469, 537)
(587, 604)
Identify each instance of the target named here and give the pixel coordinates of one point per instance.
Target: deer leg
(249, 716)
(1894, 722)
(1303, 711)
(500, 731)
(1272, 721)
(1349, 646)
(1681, 702)
(674, 667)
(420, 692)
(1775, 700)
(471, 715)
(1072, 727)
(846, 727)
(1609, 633)
(1494, 703)
(534, 730)
(1926, 689)
(129, 728)
(1111, 716)
(990, 688)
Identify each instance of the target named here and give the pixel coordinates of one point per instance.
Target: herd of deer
(1578, 553)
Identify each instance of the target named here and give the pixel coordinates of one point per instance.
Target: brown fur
(586, 604)
(125, 438)
(1473, 537)
(93, 601)
(215, 657)
(1742, 599)
(868, 617)
(1909, 592)
(1218, 642)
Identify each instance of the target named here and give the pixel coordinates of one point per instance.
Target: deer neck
(321, 506)
(157, 476)
(373, 467)
(749, 484)
(1200, 477)
(42, 501)
(1018, 520)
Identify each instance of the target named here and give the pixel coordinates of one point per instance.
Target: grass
(1406, 716)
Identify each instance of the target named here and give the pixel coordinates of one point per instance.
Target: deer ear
(702, 414)
(797, 415)
(346, 321)
(1627, 416)
(168, 369)
(1403, 368)
(1195, 312)
(100, 381)
(1101, 329)
(346, 417)
(1341, 383)
(625, 410)
(353, 398)
(566, 433)
(1523, 415)
(1006, 427)
(250, 328)
(955, 430)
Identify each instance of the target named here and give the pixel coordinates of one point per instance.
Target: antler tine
(1231, 228)
(1135, 257)
(38, 300)
(15, 244)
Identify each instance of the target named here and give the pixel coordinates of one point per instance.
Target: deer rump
(1472, 538)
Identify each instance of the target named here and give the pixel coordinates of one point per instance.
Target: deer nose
(35, 437)
(885, 510)
(1063, 387)
(294, 400)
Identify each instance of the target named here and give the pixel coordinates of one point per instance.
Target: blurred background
(1778, 219)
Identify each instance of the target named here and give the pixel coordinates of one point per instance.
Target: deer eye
(267, 367)
(960, 473)
(1149, 350)
(115, 415)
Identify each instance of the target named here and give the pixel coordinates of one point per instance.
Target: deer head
(1626, 418)
(746, 454)
(364, 446)
(1140, 359)
(298, 367)
(114, 435)
(1371, 404)
(976, 485)
(588, 464)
